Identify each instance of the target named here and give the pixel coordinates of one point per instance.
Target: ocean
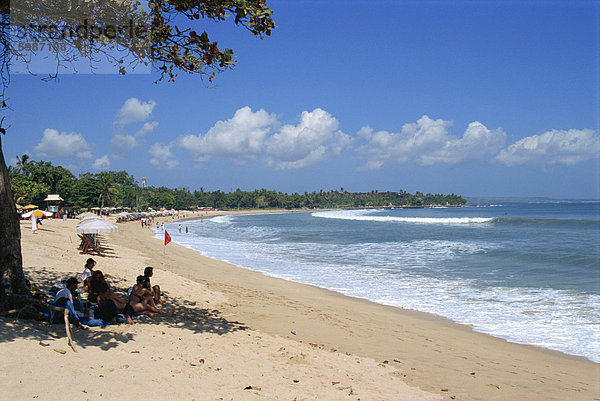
(528, 272)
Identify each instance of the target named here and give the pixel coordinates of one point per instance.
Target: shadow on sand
(187, 316)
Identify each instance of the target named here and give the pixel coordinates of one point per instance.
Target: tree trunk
(11, 261)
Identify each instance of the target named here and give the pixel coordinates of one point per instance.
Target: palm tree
(108, 188)
(22, 162)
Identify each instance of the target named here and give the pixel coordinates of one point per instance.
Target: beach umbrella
(37, 213)
(96, 226)
(90, 216)
(19, 207)
(27, 207)
(84, 214)
(123, 214)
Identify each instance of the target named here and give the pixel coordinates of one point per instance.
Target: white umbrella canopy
(37, 212)
(90, 216)
(96, 226)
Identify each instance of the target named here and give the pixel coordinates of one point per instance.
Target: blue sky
(479, 98)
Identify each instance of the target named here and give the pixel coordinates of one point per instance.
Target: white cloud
(427, 142)
(314, 139)
(63, 144)
(134, 110)
(241, 137)
(123, 142)
(476, 142)
(147, 128)
(552, 147)
(102, 163)
(162, 156)
(248, 135)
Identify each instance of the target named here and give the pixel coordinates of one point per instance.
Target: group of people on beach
(147, 221)
(103, 305)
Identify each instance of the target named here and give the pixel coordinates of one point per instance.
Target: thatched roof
(54, 197)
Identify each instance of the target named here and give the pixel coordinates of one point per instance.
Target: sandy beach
(240, 335)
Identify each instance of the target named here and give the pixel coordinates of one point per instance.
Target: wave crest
(361, 216)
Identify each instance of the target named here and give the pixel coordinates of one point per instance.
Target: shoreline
(398, 309)
(240, 321)
(421, 314)
(511, 350)
(426, 315)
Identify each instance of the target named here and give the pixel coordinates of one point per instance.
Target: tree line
(32, 181)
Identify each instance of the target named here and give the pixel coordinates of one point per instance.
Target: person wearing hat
(88, 270)
(64, 298)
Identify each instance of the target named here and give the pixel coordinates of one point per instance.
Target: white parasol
(37, 213)
(96, 226)
(90, 216)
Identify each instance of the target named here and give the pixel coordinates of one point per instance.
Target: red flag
(167, 238)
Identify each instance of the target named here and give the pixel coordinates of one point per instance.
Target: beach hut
(53, 202)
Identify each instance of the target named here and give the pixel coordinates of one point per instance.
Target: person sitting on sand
(88, 269)
(64, 298)
(107, 310)
(97, 284)
(149, 272)
(141, 300)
